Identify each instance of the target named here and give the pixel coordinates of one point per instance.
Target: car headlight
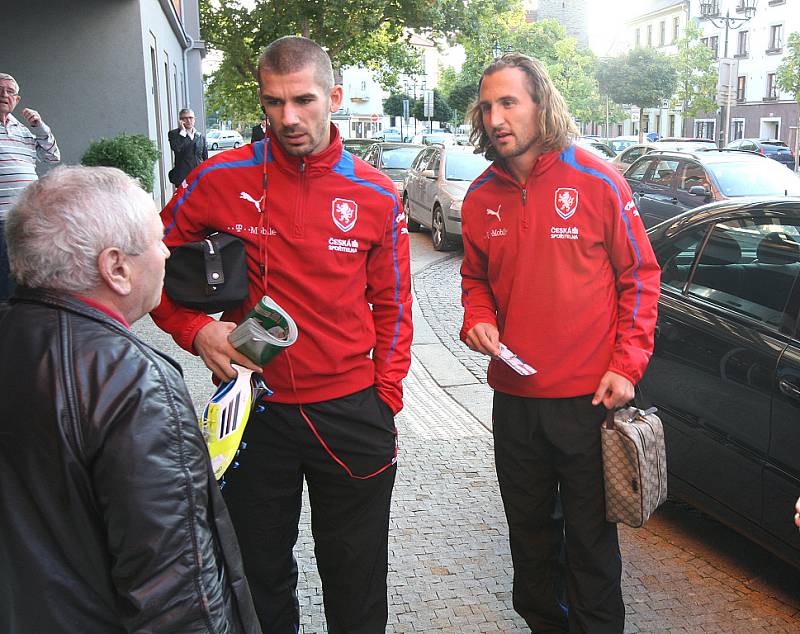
(456, 205)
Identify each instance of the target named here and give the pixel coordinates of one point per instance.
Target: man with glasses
(188, 146)
(20, 149)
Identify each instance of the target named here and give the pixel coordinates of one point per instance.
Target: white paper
(514, 362)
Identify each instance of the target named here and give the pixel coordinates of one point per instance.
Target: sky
(607, 28)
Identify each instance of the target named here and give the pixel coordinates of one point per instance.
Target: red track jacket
(563, 267)
(336, 241)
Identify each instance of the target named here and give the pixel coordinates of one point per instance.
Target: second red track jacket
(336, 260)
(563, 267)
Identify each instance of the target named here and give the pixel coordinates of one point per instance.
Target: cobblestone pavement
(437, 291)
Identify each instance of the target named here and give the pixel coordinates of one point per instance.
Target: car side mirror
(698, 190)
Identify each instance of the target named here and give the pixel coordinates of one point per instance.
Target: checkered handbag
(634, 465)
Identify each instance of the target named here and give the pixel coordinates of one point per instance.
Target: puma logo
(249, 198)
(492, 212)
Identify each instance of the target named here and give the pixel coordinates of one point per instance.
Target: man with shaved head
(326, 238)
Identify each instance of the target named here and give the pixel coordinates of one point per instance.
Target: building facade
(119, 66)
(571, 14)
(756, 46)
(659, 25)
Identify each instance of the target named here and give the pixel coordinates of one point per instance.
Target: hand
(33, 118)
(484, 338)
(211, 343)
(614, 391)
(797, 514)
(187, 124)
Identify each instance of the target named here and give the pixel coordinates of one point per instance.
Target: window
(692, 175)
(741, 84)
(775, 38)
(772, 88)
(741, 48)
(713, 43)
(632, 154)
(671, 125)
(638, 38)
(662, 33)
(737, 129)
(676, 28)
(637, 173)
(649, 35)
(746, 266)
(704, 128)
(662, 174)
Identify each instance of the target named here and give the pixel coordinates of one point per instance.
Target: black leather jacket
(110, 517)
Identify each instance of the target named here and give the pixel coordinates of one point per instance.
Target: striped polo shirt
(20, 148)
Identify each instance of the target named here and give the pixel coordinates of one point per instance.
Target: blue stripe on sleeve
(568, 156)
(256, 159)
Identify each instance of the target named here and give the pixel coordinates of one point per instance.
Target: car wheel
(441, 240)
(235, 144)
(214, 146)
(413, 225)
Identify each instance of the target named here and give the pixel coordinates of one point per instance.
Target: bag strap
(610, 418)
(212, 255)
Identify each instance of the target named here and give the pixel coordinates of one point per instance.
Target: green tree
(354, 32)
(788, 80)
(697, 74)
(573, 73)
(643, 78)
(441, 111)
(393, 105)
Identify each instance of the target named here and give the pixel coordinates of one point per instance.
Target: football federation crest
(566, 201)
(345, 213)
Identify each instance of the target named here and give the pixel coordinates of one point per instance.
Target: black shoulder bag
(209, 275)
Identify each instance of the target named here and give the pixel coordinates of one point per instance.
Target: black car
(771, 148)
(725, 373)
(666, 183)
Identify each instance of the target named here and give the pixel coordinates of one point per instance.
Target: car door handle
(789, 389)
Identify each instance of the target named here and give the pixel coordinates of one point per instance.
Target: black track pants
(543, 447)
(349, 517)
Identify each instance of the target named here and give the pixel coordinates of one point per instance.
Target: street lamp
(709, 11)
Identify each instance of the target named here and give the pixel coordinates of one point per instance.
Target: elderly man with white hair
(110, 516)
(20, 149)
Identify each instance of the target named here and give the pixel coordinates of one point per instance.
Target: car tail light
(761, 150)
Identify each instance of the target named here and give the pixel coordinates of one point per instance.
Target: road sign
(727, 81)
(428, 104)
(374, 118)
(406, 110)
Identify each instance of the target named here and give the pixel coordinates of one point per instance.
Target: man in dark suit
(260, 130)
(188, 146)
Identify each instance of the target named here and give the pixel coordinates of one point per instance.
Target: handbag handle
(612, 412)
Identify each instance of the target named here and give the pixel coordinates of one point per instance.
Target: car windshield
(464, 167)
(213, 134)
(399, 158)
(754, 178)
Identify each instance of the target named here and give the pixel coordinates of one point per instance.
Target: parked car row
(666, 183)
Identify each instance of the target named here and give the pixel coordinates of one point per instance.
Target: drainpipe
(189, 46)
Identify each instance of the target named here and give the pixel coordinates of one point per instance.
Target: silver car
(435, 188)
